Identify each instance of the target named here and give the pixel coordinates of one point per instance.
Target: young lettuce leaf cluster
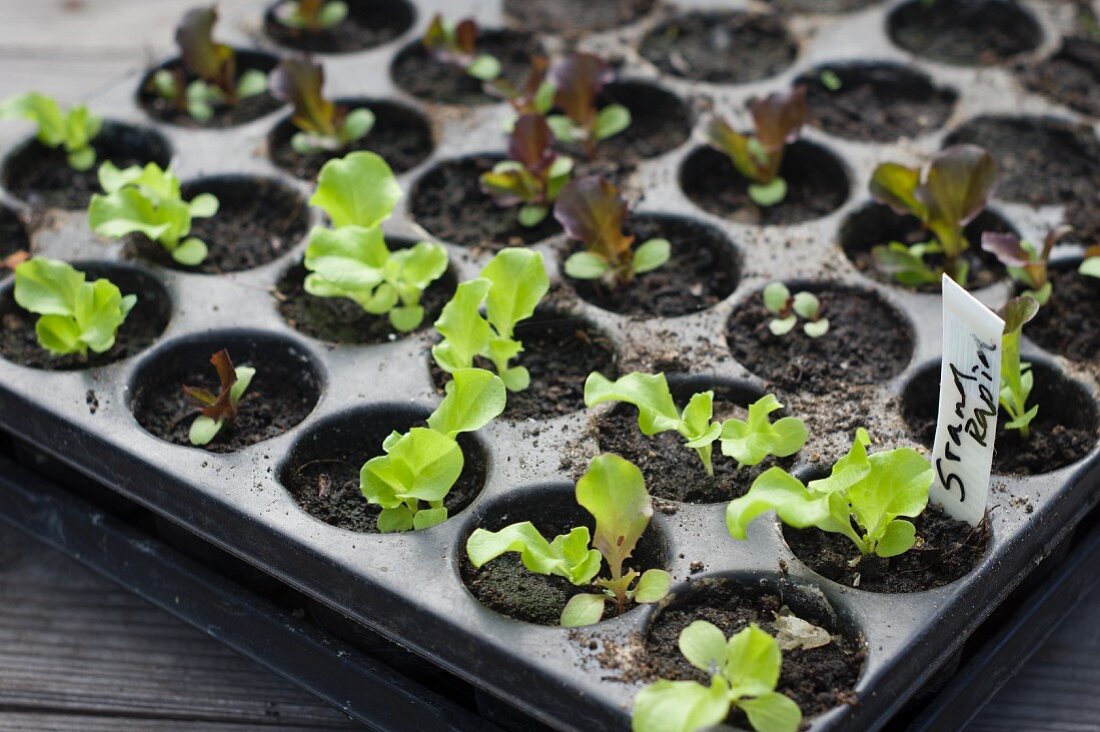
(510, 287)
(323, 126)
(216, 410)
(862, 499)
(946, 196)
(1025, 262)
(456, 45)
(744, 672)
(778, 119)
(73, 129)
(613, 491)
(1017, 378)
(532, 175)
(311, 16)
(424, 463)
(748, 442)
(214, 66)
(788, 308)
(592, 211)
(75, 315)
(578, 80)
(351, 259)
(148, 201)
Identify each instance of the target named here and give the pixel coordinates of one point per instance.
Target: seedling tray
(408, 587)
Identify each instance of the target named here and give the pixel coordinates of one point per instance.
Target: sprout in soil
(73, 129)
(75, 315)
(213, 66)
(1017, 378)
(578, 80)
(788, 308)
(1026, 263)
(510, 287)
(743, 671)
(862, 499)
(359, 192)
(1090, 265)
(148, 201)
(221, 408)
(323, 126)
(532, 175)
(591, 211)
(946, 196)
(748, 442)
(311, 16)
(778, 119)
(536, 96)
(456, 45)
(424, 463)
(613, 491)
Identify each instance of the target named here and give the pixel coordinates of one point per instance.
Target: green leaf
(519, 282)
(898, 538)
(583, 609)
(775, 489)
(58, 334)
(251, 83)
(47, 286)
(613, 491)
(358, 189)
(896, 186)
(484, 67)
(651, 255)
(957, 187)
(357, 125)
(203, 430)
(191, 252)
(400, 518)
(585, 266)
(772, 712)
(466, 334)
(1090, 267)
(768, 194)
(428, 517)
(406, 319)
(652, 585)
(203, 206)
(817, 328)
(611, 120)
(422, 464)
(73, 129)
(567, 556)
(806, 305)
(749, 442)
(776, 297)
(563, 128)
(897, 485)
(532, 215)
(648, 392)
(752, 663)
(680, 706)
(240, 386)
(704, 646)
(474, 398)
(780, 327)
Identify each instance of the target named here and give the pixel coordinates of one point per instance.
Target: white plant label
(970, 380)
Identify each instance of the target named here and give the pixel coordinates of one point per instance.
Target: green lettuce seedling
(148, 201)
(323, 126)
(213, 64)
(946, 196)
(1025, 262)
(359, 192)
(862, 499)
(532, 175)
(456, 45)
(578, 80)
(424, 463)
(510, 287)
(1090, 265)
(218, 409)
(591, 211)
(311, 15)
(788, 308)
(1017, 378)
(73, 129)
(76, 315)
(744, 672)
(778, 119)
(613, 491)
(750, 441)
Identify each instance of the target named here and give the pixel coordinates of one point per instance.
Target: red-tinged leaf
(1006, 247)
(309, 9)
(1055, 235)
(896, 185)
(592, 212)
(299, 81)
(14, 259)
(779, 118)
(465, 39)
(1092, 251)
(1018, 311)
(530, 142)
(435, 37)
(221, 406)
(539, 66)
(213, 62)
(578, 79)
(725, 139)
(959, 183)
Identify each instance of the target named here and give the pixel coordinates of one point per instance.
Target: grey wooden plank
(28, 721)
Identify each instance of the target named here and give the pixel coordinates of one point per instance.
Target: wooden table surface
(79, 653)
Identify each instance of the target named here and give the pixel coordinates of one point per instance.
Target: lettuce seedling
(73, 129)
(1025, 262)
(533, 174)
(510, 287)
(1090, 265)
(744, 672)
(862, 499)
(778, 119)
(456, 45)
(591, 211)
(946, 196)
(1017, 378)
(750, 441)
(613, 491)
(76, 315)
(322, 125)
(536, 96)
(148, 201)
(214, 66)
(788, 308)
(424, 463)
(578, 80)
(218, 409)
(311, 15)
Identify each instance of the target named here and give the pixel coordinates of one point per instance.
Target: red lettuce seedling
(221, 408)
(578, 80)
(533, 174)
(1026, 263)
(946, 197)
(1090, 265)
(311, 15)
(1017, 378)
(72, 129)
(456, 45)
(778, 119)
(788, 308)
(537, 93)
(592, 212)
(323, 125)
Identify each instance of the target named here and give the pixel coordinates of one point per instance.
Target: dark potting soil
(449, 203)
(946, 550)
(659, 121)
(965, 32)
(400, 135)
(575, 16)
(876, 102)
(245, 110)
(1067, 324)
(819, 6)
(340, 320)
(1070, 77)
(877, 225)
(369, 23)
(701, 272)
(420, 74)
(817, 186)
(41, 175)
(867, 343)
(13, 235)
